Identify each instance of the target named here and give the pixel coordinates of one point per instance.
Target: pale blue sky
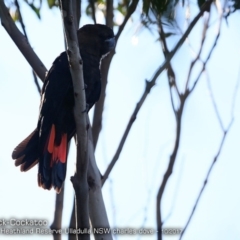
(139, 171)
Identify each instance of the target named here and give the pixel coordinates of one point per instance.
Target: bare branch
(21, 42)
(76, 12)
(79, 180)
(170, 167)
(174, 198)
(205, 28)
(97, 211)
(72, 224)
(109, 14)
(98, 110)
(25, 33)
(93, 10)
(178, 113)
(235, 94)
(170, 72)
(149, 85)
(57, 221)
(210, 52)
(131, 10)
(206, 179)
(225, 132)
(214, 103)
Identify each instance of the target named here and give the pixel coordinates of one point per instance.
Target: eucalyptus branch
(76, 11)
(131, 9)
(172, 160)
(210, 52)
(72, 236)
(225, 133)
(57, 221)
(21, 42)
(215, 104)
(178, 113)
(205, 28)
(25, 33)
(170, 72)
(149, 85)
(79, 180)
(91, 2)
(206, 179)
(97, 210)
(109, 14)
(98, 110)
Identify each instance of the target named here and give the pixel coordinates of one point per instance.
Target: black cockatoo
(48, 143)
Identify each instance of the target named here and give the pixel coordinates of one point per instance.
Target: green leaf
(146, 6)
(15, 15)
(156, 6)
(169, 34)
(200, 3)
(122, 8)
(34, 8)
(52, 3)
(88, 10)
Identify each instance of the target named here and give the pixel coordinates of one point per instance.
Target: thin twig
(130, 11)
(109, 14)
(214, 103)
(98, 110)
(205, 28)
(235, 93)
(91, 2)
(172, 86)
(170, 72)
(206, 179)
(25, 33)
(210, 52)
(177, 187)
(148, 87)
(178, 113)
(170, 167)
(225, 131)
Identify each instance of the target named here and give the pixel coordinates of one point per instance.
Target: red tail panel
(52, 163)
(62, 152)
(59, 153)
